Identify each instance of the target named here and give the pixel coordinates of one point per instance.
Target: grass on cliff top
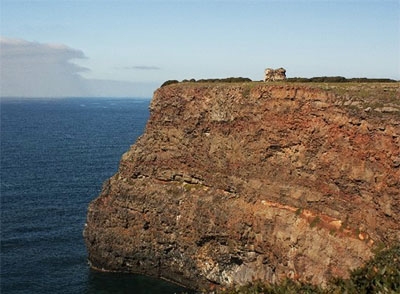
(373, 95)
(379, 275)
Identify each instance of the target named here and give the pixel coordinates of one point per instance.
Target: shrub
(169, 82)
(379, 275)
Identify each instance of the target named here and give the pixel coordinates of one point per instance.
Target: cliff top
(378, 99)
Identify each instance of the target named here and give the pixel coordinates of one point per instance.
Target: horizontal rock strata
(235, 183)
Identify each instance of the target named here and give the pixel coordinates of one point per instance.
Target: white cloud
(18, 48)
(32, 69)
(37, 69)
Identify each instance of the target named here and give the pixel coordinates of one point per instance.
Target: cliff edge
(233, 183)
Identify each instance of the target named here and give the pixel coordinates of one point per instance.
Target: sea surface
(55, 155)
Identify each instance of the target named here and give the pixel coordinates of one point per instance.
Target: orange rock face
(235, 183)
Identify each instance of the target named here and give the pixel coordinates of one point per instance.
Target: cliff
(233, 183)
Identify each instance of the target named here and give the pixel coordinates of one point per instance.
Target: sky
(128, 48)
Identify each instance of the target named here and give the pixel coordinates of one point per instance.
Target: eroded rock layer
(235, 183)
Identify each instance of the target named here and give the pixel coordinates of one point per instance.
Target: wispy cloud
(141, 67)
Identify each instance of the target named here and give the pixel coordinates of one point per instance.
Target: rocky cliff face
(243, 182)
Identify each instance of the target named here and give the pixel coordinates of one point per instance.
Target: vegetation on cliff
(379, 275)
(323, 79)
(338, 79)
(374, 96)
(224, 80)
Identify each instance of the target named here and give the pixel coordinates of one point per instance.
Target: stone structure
(272, 75)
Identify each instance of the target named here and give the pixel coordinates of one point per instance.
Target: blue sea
(55, 155)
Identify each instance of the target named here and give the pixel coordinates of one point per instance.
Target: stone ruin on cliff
(274, 74)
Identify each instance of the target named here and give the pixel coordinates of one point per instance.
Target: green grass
(315, 222)
(299, 211)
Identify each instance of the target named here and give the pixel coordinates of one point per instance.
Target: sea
(55, 155)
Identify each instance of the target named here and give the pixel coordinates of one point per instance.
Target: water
(55, 155)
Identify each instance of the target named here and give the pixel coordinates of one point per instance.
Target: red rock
(234, 183)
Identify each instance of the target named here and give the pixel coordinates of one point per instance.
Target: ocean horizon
(55, 155)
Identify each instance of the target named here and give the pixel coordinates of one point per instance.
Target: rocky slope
(233, 183)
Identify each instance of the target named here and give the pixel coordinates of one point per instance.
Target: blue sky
(128, 48)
